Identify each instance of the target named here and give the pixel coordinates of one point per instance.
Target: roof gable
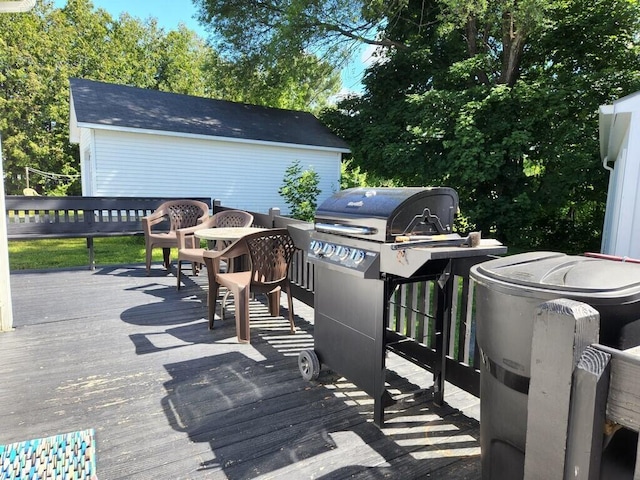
(111, 105)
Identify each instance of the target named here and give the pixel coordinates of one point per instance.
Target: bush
(300, 191)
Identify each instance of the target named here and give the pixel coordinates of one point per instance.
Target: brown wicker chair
(188, 246)
(180, 214)
(270, 252)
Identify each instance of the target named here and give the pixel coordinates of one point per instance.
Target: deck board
(131, 357)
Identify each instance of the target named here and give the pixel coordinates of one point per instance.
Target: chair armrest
(203, 223)
(152, 219)
(181, 236)
(185, 234)
(212, 261)
(205, 216)
(212, 257)
(236, 249)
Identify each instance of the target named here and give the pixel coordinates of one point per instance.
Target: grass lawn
(73, 252)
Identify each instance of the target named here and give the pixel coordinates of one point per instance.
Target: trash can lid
(564, 273)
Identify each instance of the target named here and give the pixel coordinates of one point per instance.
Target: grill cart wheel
(309, 365)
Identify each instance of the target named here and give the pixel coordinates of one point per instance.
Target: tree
(522, 150)
(299, 82)
(279, 27)
(300, 191)
(493, 30)
(29, 120)
(496, 98)
(183, 62)
(263, 44)
(42, 49)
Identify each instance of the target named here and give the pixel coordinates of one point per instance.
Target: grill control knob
(328, 249)
(316, 246)
(343, 253)
(357, 256)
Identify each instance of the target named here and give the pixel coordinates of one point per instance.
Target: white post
(6, 308)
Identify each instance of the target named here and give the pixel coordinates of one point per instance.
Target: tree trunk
(512, 45)
(471, 31)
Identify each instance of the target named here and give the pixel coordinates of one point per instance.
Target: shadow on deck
(131, 357)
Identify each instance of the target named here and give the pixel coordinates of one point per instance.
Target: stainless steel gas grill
(367, 242)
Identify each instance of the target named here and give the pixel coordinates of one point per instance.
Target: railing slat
(587, 414)
(562, 330)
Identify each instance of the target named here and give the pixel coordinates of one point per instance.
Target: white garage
(139, 142)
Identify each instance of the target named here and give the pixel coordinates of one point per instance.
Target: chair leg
(291, 315)
(242, 315)
(211, 302)
(179, 272)
(273, 299)
(223, 302)
(166, 252)
(149, 249)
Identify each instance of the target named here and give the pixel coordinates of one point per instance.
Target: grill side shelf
(405, 262)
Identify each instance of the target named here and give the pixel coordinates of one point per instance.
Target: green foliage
(520, 148)
(496, 98)
(300, 191)
(280, 28)
(351, 177)
(41, 49)
(298, 82)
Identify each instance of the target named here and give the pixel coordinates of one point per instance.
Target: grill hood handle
(345, 229)
(428, 218)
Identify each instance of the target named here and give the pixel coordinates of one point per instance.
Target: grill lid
(382, 213)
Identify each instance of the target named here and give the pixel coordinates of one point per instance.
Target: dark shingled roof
(114, 105)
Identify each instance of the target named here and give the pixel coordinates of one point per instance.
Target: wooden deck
(131, 357)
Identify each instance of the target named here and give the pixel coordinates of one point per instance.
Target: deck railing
(412, 316)
(412, 309)
(412, 312)
(581, 395)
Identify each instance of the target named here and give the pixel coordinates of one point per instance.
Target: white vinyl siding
(620, 150)
(622, 218)
(241, 175)
(87, 161)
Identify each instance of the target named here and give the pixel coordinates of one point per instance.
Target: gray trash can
(508, 291)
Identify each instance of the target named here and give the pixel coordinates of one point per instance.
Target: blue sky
(170, 13)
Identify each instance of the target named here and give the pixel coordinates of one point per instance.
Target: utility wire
(51, 175)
